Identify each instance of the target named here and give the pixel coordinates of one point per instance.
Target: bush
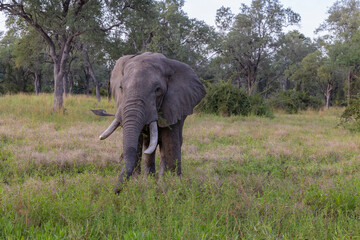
(103, 92)
(259, 107)
(286, 100)
(351, 116)
(292, 101)
(306, 101)
(226, 100)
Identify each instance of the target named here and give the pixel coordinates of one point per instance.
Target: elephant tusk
(113, 126)
(153, 138)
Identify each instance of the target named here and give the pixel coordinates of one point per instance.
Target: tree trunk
(327, 93)
(238, 80)
(59, 87)
(251, 81)
(66, 83)
(286, 85)
(87, 81)
(327, 100)
(92, 73)
(37, 82)
(71, 83)
(109, 88)
(348, 87)
(97, 87)
(59, 71)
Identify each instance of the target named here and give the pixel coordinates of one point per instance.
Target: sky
(312, 12)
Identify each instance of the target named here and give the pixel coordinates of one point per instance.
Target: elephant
(154, 95)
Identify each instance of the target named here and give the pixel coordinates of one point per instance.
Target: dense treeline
(69, 47)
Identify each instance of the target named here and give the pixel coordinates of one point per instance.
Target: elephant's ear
(116, 76)
(184, 92)
(117, 73)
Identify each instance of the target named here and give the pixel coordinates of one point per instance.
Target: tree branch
(66, 4)
(81, 3)
(18, 10)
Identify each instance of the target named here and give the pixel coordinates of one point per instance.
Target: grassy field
(289, 177)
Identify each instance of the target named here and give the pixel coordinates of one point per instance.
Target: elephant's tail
(101, 112)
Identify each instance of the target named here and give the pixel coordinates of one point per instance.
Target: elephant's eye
(121, 87)
(158, 91)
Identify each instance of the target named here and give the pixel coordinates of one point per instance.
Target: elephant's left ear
(184, 92)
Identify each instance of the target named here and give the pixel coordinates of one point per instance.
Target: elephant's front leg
(170, 148)
(149, 159)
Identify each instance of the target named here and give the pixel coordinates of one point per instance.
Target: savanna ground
(289, 177)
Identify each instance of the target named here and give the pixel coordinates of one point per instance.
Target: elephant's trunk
(131, 136)
(133, 123)
(153, 138)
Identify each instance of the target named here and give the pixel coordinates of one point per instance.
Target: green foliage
(225, 99)
(13, 79)
(252, 35)
(259, 107)
(286, 100)
(308, 101)
(351, 116)
(292, 101)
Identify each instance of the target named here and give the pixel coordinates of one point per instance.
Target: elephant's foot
(118, 188)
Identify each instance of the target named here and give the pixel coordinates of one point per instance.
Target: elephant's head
(150, 89)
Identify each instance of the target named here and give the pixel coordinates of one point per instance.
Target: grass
(289, 177)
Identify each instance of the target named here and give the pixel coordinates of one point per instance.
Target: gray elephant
(154, 95)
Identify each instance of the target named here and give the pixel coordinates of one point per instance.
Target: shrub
(286, 100)
(292, 101)
(306, 101)
(351, 115)
(103, 92)
(259, 107)
(226, 100)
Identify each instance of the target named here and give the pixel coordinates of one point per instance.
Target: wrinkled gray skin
(150, 88)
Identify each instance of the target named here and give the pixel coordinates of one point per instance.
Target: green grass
(288, 177)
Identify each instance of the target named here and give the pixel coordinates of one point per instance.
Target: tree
(316, 68)
(327, 78)
(29, 54)
(343, 21)
(60, 22)
(253, 34)
(165, 28)
(343, 24)
(12, 78)
(292, 48)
